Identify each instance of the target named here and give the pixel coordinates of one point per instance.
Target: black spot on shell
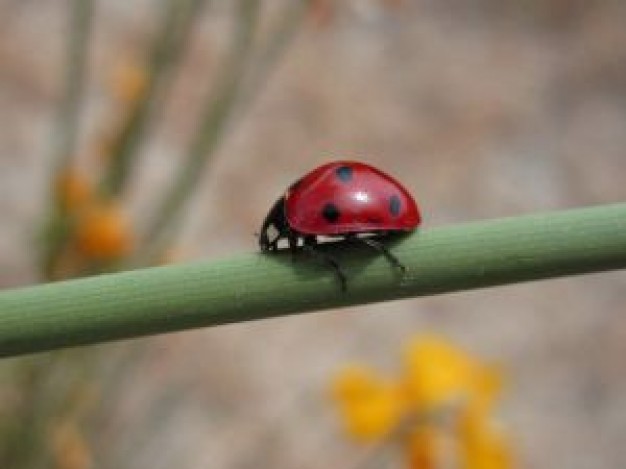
(395, 205)
(330, 212)
(344, 173)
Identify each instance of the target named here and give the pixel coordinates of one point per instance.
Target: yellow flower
(482, 445)
(73, 189)
(103, 232)
(129, 82)
(371, 406)
(438, 373)
(441, 383)
(425, 447)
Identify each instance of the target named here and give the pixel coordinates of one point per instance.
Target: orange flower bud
(129, 82)
(103, 232)
(73, 189)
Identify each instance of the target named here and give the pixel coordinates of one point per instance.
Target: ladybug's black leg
(292, 240)
(381, 248)
(328, 260)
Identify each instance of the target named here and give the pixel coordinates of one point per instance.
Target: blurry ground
(483, 111)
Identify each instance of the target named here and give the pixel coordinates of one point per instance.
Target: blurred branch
(240, 83)
(69, 110)
(279, 38)
(176, 24)
(256, 286)
(56, 226)
(215, 114)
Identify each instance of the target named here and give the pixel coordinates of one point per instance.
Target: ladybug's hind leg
(381, 248)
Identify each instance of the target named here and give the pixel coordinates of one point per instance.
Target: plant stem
(273, 48)
(56, 226)
(212, 125)
(256, 286)
(244, 76)
(176, 24)
(74, 82)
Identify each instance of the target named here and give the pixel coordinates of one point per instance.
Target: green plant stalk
(215, 114)
(241, 82)
(176, 25)
(55, 227)
(257, 286)
(74, 82)
(273, 48)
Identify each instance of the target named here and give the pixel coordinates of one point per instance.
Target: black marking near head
(344, 173)
(295, 185)
(330, 212)
(274, 227)
(394, 205)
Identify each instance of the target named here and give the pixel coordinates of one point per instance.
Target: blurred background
(146, 132)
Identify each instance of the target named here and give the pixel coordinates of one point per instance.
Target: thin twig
(176, 24)
(56, 226)
(215, 115)
(74, 82)
(249, 81)
(273, 48)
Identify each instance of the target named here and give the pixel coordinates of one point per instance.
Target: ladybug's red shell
(349, 197)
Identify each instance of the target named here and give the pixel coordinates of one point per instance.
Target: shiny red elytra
(345, 199)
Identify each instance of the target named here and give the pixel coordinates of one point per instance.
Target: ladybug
(347, 200)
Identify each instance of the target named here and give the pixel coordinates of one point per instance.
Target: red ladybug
(344, 199)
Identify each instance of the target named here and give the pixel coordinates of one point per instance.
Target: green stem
(273, 48)
(215, 115)
(56, 226)
(176, 24)
(69, 110)
(256, 286)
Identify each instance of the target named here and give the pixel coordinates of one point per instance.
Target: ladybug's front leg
(292, 240)
(309, 246)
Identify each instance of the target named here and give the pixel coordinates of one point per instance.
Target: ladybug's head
(274, 227)
(264, 240)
